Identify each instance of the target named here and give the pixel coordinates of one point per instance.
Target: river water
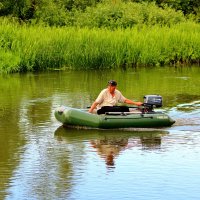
(39, 159)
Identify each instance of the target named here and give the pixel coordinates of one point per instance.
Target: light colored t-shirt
(106, 99)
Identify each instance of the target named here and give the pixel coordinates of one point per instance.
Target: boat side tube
(136, 120)
(77, 117)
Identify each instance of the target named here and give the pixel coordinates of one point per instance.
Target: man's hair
(112, 82)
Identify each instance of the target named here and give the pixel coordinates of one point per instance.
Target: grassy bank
(34, 48)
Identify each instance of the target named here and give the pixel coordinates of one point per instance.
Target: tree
(79, 4)
(22, 9)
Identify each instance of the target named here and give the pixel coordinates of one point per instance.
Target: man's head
(112, 84)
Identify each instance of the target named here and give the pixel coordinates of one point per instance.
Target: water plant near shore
(36, 48)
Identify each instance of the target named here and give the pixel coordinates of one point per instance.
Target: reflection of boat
(77, 117)
(89, 134)
(110, 144)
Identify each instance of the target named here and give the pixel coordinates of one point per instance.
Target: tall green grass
(35, 48)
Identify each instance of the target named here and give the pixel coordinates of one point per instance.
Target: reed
(36, 48)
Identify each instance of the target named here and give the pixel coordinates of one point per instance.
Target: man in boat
(108, 99)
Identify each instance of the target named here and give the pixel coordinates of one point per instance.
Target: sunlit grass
(34, 48)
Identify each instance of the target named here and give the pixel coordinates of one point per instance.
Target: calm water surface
(39, 159)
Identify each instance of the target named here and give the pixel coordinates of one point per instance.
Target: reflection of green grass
(26, 48)
(189, 107)
(186, 109)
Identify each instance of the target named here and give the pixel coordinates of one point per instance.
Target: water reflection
(10, 146)
(36, 163)
(110, 144)
(109, 148)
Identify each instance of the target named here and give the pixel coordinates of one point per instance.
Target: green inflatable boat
(77, 117)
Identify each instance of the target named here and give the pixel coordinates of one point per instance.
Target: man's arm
(128, 101)
(94, 105)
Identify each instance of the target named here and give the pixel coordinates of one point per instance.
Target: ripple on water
(187, 116)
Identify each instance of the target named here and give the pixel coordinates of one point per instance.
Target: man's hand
(92, 107)
(138, 103)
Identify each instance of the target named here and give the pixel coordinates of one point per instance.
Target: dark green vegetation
(38, 35)
(69, 12)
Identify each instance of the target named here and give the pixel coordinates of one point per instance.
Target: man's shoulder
(104, 90)
(118, 92)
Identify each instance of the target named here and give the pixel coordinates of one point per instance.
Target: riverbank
(36, 48)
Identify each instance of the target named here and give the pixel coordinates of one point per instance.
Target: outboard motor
(151, 102)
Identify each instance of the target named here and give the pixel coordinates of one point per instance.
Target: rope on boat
(150, 117)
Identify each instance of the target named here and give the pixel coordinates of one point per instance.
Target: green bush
(125, 15)
(51, 14)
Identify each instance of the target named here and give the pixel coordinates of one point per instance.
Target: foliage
(22, 9)
(79, 4)
(35, 48)
(50, 13)
(126, 15)
(186, 6)
(68, 12)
